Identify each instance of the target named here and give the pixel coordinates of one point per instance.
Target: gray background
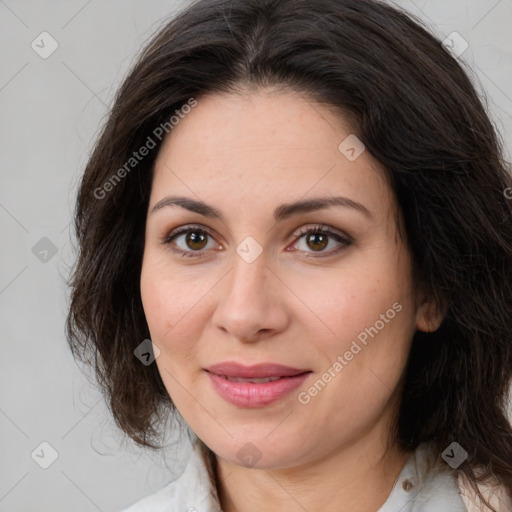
(51, 112)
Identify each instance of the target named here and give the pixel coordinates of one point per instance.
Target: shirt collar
(423, 485)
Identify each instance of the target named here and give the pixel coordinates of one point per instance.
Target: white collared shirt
(415, 489)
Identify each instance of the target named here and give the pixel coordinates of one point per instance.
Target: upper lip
(257, 371)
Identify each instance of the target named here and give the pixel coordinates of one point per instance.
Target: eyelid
(340, 236)
(322, 228)
(167, 239)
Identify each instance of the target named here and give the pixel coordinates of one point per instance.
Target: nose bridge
(248, 303)
(247, 280)
(249, 268)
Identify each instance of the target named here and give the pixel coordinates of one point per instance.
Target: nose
(251, 302)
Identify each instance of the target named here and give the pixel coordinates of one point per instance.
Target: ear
(429, 316)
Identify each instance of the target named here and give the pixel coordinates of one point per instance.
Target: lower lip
(249, 394)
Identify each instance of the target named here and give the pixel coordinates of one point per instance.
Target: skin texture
(298, 303)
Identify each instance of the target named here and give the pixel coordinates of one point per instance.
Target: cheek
(364, 359)
(156, 301)
(173, 305)
(342, 305)
(169, 309)
(159, 296)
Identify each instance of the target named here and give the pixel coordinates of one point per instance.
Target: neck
(345, 480)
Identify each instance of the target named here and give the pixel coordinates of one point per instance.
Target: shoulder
(439, 485)
(193, 490)
(496, 494)
(492, 490)
(160, 501)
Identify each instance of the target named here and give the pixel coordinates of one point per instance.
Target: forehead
(263, 145)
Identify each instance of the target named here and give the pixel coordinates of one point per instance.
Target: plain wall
(52, 110)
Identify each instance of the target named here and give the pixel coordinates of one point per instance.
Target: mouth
(255, 373)
(255, 386)
(254, 380)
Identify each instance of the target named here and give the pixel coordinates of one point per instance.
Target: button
(407, 485)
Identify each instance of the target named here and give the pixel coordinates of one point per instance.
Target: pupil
(316, 237)
(196, 238)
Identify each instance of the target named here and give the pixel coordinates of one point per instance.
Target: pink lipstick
(257, 385)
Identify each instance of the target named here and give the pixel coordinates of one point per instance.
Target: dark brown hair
(416, 111)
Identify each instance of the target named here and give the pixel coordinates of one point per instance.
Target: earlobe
(429, 316)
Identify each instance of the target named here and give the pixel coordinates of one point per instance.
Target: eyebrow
(282, 212)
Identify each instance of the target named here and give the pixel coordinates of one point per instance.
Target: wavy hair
(416, 110)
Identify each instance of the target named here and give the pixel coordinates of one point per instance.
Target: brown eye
(196, 240)
(317, 238)
(317, 241)
(190, 241)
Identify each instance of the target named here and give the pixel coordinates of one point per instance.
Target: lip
(250, 394)
(257, 371)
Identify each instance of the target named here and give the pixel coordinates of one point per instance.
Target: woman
(294, 231)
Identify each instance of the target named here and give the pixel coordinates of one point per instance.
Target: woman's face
(251, 286)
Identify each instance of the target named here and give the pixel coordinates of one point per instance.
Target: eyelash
(324, 230)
